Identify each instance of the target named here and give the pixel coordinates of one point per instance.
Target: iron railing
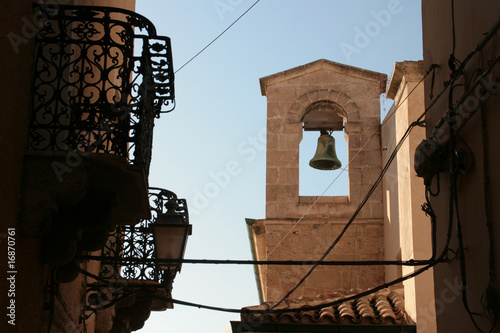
(130, 250)
(100, 77)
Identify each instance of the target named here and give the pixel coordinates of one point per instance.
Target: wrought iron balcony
(100, 78)
(130, 252)
(131, 267)
(101, 75)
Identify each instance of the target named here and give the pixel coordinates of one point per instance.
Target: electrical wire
(128, 260)
(453, 196)
(234, 310)
(441, 258)
(461, 248)
(229, 27)
(452, 61)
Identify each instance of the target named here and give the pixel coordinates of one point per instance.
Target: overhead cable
(229, 27)
(411, 262)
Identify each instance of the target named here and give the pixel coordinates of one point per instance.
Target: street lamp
(170, 232)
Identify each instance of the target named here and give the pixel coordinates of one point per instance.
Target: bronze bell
(325, 157)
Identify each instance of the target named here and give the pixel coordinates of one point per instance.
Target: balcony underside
(73, 201)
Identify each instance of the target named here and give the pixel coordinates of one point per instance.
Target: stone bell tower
(320, 95)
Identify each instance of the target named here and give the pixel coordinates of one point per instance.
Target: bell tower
(322, 95)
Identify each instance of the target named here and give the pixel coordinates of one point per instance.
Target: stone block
(371, 124)
(272, 176)
(355, 176)
(289, 278)
(271, 209)
(282, 93)
(376, 209)
(345, 247)
(288, 176)
(275, 109)
(332, 94)
(272, 192)
(273, 237)
(289, 209)
(369, 246)
(355, 195)
(370, 277)
(373, 231)
(289, 193)
(343, 99)
(282, 158)
(341, 210)
(349, 277)
(272, 142)
(289, 141)
(293, 128)
(355, 140)
(324, 278)
(274, 294)
(314, 248)
(370, 174)
(319, 210)
(369, 158)
(281, 252)
(371, 140)
(352, 127)
(275, 125)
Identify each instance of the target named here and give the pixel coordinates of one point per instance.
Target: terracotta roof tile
(385, 307)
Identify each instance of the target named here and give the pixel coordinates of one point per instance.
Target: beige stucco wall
(279, 236)
(407, 232)
(31, 277)
(473, 20)
(16, 57)
(125, 4)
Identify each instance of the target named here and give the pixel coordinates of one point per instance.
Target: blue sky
(211, 148)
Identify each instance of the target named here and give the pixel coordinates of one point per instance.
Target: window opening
(322, 115)
(313, 182)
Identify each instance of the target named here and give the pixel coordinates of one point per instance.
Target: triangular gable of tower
(322, 64)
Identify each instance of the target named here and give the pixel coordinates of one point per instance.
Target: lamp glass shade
(170, 242)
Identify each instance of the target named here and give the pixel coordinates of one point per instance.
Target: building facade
(301, 99)
(461, 100)
(407, 228)
(354, 229)
(82, 88)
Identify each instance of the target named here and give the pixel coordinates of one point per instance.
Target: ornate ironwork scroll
(101, 75)
(130, 251)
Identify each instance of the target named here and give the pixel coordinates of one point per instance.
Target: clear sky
(211, 148)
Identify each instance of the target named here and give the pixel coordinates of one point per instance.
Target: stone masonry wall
(289, 94)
